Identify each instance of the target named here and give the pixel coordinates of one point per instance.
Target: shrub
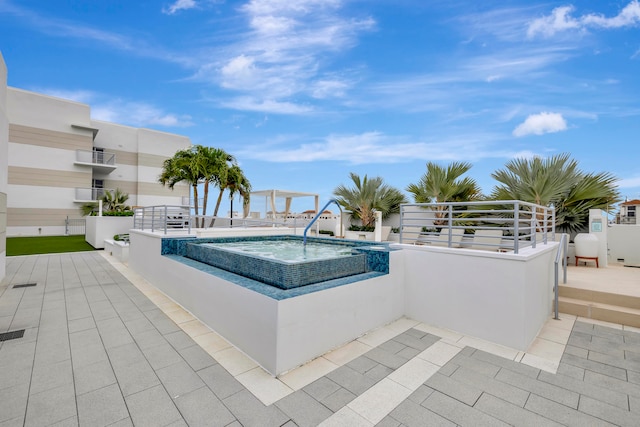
(354, 227)
(329, 232)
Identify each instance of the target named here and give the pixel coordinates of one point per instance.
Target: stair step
(599, 311)
(599, 297)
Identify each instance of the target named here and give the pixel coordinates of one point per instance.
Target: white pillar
(99, 207)
(598, 224)
(377, 233)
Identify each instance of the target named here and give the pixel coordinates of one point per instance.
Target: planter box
(101, 228)
(359, 235)
(120, 250)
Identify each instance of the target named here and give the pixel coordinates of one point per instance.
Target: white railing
(96, 157)
(90, 194)
(522, 224)
(162, 218)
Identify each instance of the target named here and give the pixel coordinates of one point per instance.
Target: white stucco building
(4, 142)
(59, 159)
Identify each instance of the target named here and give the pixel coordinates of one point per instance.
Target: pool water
(286, 251)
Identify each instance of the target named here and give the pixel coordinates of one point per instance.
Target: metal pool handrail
(304, 235)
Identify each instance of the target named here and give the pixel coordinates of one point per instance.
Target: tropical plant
(113, 203)
(185, 165)
(557, 180)
(235, 182)
(445, 184)
(368, 196)
(215, 164)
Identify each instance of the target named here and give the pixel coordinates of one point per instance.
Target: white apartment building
(4, 143)
(59, 159)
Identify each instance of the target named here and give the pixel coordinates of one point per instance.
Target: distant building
(59, 159)
(628, 212)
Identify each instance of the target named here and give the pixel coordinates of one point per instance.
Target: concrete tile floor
(98, 350)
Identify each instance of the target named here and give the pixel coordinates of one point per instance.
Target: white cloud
(266, 106)
(375, 148)
(632, 182)
(561, 20)
(283, 53)
(137, 114)
(179, 5)
(538, 124)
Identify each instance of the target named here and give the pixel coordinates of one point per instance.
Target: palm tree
(115, 201)
(368, 196)
(236, 182)
(557, 180)
(111, 202)
(440, 184)
(183, 166)
(214, 163)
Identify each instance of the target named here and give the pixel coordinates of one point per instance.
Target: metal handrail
(315, 218)
(162, 217)
(523, 223)
(563, 249)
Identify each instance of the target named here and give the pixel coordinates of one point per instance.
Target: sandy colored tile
(179, 315)
(347, 352)
(546, 349)
(212, 342)
(307, 373)
(551, 333)
(234, 361)
(264, 386)
(195, 328)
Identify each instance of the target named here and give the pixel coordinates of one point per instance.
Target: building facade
(59, 159)
(628, 212)
(4, 154)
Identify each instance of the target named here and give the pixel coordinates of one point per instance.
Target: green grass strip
(46, 245)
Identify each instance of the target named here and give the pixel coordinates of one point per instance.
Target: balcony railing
(96, 158)
(518, 224)
(628, 220)
(90, 194)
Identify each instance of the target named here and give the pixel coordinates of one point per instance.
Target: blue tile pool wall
(277, 273)
(368, 257)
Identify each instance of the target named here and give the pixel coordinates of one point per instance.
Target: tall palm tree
(215, 164)
(183, 166)
(440, 184)
(368, 196)
(235, 182)
(445, 184)
(557, 180)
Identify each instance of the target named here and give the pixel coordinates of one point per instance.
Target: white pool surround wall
(278, 335)
(101, 228)
(503, 298)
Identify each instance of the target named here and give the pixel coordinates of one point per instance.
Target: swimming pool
(283, 261)
(290, 251)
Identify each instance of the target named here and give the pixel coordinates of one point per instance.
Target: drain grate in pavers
(24, 285)
(11, 335)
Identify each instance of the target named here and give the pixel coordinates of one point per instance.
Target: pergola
(272, 195)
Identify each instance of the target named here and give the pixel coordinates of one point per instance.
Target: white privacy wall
(503, 298)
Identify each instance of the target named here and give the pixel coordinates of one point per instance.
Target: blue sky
(303, 92)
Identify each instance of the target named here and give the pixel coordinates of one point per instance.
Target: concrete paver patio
(98, 351)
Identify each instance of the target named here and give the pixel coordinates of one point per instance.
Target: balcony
(628, 220)
(100, 161)
(84, 195)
